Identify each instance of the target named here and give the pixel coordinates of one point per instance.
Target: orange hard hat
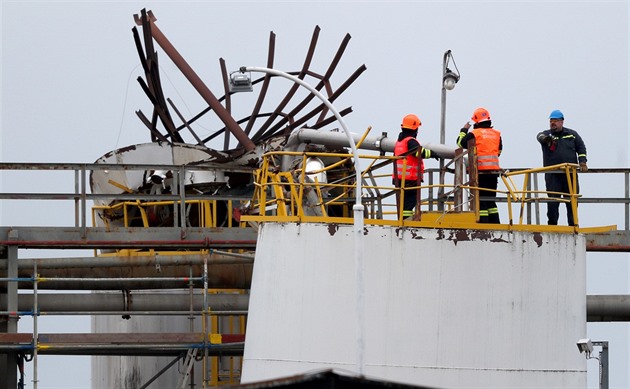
(480, 115)
(411, 122)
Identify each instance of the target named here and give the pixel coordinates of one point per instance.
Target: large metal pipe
(130, 301)
(376, 143)
(600, 308)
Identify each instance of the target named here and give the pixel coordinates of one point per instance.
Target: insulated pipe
(377, 143)
(603, 308)
(131, 301)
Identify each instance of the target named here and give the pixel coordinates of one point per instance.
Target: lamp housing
(240, 82)
(450, 79)
(585, 346)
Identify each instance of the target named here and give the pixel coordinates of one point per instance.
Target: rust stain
(332, 229)
(538, 238)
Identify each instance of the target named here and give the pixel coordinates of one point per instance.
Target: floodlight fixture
(585, 346)
(240, 81)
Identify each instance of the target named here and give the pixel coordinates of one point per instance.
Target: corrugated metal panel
(446, 308)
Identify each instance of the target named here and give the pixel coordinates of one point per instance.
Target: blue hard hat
(556, 114)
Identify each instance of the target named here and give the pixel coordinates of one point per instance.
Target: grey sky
(69, 92)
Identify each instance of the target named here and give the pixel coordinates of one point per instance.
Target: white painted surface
(135, 371)
(151, 153)
(497, 310)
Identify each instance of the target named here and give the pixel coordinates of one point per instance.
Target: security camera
(585, 346)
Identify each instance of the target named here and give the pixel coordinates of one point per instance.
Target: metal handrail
(80, 196)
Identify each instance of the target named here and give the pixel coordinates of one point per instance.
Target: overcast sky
(69, 90)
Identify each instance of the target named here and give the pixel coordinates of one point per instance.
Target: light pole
(449, 79)
(238, 80)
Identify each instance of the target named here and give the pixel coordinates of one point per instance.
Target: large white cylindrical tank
(442, 308)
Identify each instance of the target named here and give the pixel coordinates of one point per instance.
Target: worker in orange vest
(411, 168)
(488, 146)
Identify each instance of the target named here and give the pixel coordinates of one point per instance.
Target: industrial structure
(284, 253)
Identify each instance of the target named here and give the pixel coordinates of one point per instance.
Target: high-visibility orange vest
(487, 141)
(414, 166)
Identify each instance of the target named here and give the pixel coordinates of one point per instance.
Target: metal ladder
(189, 361)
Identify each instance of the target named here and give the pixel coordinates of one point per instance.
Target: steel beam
(159, 238)
(614, 241)
(138, 259)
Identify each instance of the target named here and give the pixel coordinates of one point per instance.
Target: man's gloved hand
(436, 156)
(583, 167)
(545, 139)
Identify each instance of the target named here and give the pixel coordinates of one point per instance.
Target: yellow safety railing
(524, 196)
(146, 213)
(296, 194)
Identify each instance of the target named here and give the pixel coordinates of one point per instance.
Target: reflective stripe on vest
(411, 167)
(487, 141)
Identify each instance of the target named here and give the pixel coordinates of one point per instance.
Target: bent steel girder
(294, 88)
(152, 86)
(324, 82)
(265, 86)
(278, 122)
(147, 21)
(319, 109)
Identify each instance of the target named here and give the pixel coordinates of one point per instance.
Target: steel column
(8, 323)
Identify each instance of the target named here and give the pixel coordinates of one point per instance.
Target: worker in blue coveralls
(560, 145)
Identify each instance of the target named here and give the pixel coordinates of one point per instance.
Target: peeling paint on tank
(415, 235)
(538, 239)
(119, 151)
(332, 229)
(471, 235)
(461, 235)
